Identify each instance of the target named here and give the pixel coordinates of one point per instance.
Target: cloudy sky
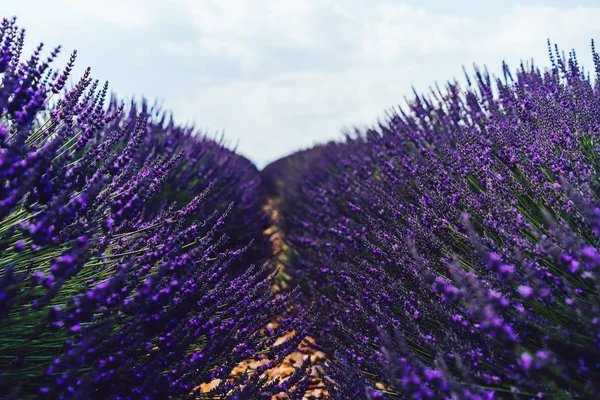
(279, 75)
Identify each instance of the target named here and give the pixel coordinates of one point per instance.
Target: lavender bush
(453, 250)
(279, 174)
(204, 161)
(119, 236)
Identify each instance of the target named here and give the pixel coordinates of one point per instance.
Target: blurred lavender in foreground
(454, 249)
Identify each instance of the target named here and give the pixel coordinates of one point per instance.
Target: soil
(316, 389)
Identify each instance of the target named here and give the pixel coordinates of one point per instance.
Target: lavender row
(453, 249)
(277, 175)
(203, 161)
(132, 250)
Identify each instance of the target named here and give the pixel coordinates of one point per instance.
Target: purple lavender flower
(452, 249)
(133, 250)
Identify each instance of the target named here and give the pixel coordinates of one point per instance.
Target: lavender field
(449, 252)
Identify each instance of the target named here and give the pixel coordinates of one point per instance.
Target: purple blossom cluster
(132, 250)
(453, 249)
(204, 161)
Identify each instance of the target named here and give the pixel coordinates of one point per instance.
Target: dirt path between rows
(316, 389)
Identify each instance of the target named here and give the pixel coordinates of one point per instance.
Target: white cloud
(522, 32)
(399, 30)
(280, 75)
(238, 28)
(521, 28)
(129, 15)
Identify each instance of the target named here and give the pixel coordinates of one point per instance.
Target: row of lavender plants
(453, 249)
(133, 251)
